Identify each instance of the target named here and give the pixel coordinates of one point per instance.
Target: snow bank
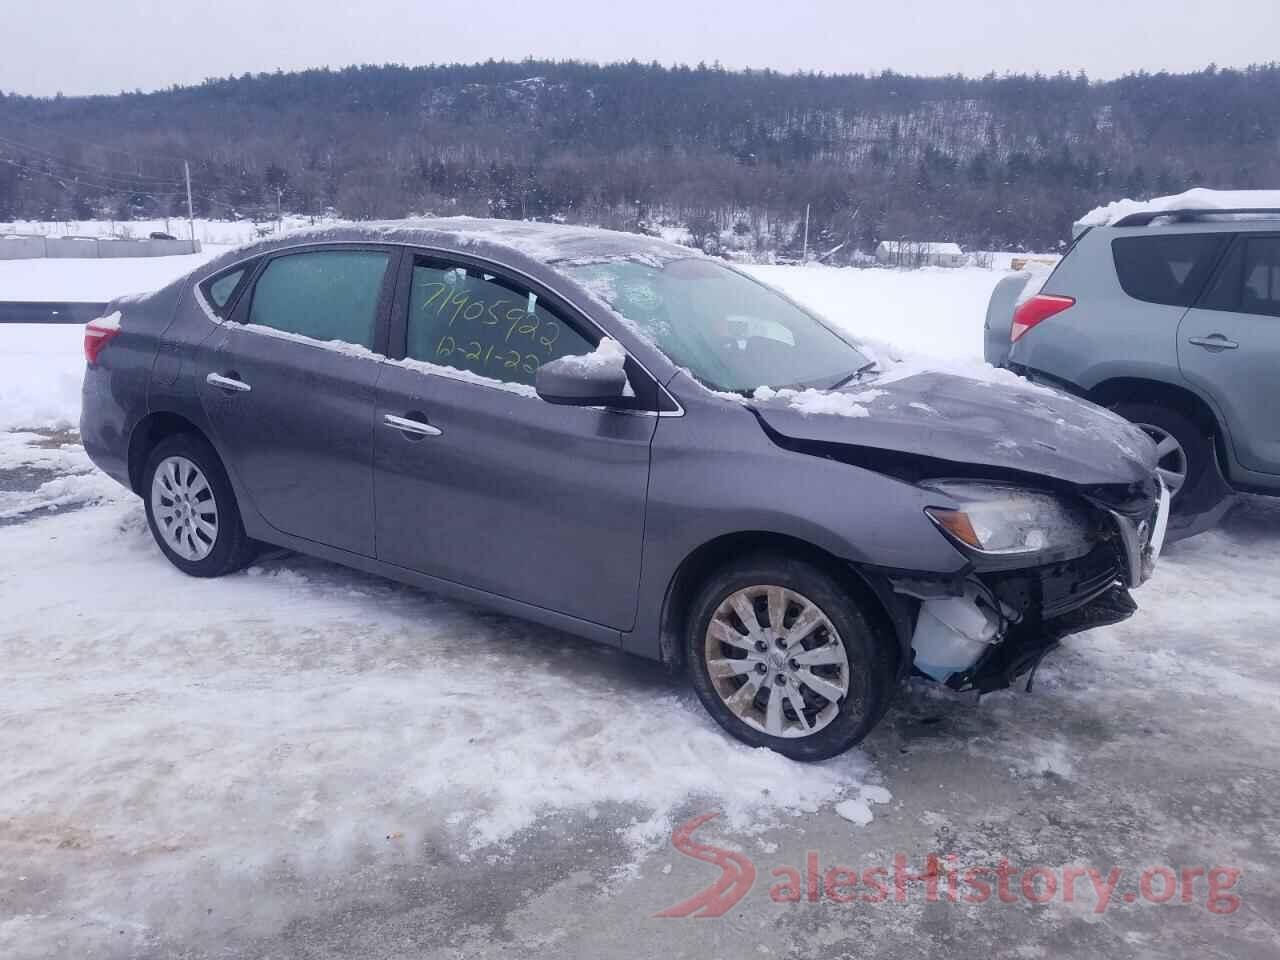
(41, 369)
(1199, 198)
(94, 280)
(305, 714)
(930, 311)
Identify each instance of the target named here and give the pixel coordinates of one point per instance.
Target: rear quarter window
(220, 291)
(1170, 269)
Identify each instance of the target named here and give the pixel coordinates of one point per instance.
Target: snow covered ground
(303, 759)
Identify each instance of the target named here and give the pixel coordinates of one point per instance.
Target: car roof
(520, 242)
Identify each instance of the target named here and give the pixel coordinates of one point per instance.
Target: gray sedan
(631, 442)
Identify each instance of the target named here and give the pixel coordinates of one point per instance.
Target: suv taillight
(1040, 307)
(97, 334)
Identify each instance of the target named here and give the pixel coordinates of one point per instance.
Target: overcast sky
(103, 46)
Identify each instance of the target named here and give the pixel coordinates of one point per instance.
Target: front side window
(472, 320)
(322, 294)
(1168, 269)
(730, 331)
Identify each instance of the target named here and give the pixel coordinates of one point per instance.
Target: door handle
(405, 425)
(227, 383)
(1215, 341)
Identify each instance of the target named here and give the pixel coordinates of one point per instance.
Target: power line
(87, 168)
(93, 143)
(69, 183)
(79, 170)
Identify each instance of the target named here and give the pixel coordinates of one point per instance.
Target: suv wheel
(1183, 447)
(192, 510)
(782, 657)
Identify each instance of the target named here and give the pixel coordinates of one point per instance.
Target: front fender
(715, 474)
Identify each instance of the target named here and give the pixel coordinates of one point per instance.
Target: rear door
(290, 389)
(480, 482)
(1229, 348)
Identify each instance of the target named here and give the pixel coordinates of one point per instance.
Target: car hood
(1009, 424)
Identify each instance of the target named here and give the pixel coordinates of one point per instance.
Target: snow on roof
(1199, 198)
(545, 242)
(929, 248)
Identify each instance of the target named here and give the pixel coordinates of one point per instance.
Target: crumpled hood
(1014, 425)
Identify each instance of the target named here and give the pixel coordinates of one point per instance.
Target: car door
(1229, 348)
(289, 389)
(478, 481)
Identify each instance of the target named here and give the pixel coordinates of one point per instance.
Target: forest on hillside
(1002, 162)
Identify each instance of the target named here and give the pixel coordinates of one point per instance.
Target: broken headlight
(1010, 521)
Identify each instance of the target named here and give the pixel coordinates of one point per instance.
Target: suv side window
(1169, 269)
(1249, 281)
(472, 320)
(322, 294)
(1261, 293)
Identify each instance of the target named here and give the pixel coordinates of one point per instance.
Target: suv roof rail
(1146, 217)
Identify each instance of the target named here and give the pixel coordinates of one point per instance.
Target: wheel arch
(887, 611)
(148, 432)
(1117, 390)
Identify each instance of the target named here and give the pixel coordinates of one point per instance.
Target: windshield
(733, 333)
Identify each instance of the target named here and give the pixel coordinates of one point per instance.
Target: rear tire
(191, 508)
(1194, 451)
(811, 646)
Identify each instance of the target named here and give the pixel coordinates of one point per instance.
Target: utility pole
(191, 215)
(804, 257)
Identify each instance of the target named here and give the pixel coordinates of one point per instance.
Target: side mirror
(587, 381)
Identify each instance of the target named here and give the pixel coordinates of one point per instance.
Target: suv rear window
(1168, 269)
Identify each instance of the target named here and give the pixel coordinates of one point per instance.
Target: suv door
(478, 481)
(289, 390)
(1229, 348)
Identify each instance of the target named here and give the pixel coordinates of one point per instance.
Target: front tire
(782, 656)
(191, 508)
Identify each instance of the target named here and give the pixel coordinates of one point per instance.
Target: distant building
(919, 253)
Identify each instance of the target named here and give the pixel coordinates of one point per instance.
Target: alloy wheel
(1171, 458)
(185, 511)
(776, 661)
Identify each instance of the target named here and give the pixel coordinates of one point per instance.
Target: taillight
(97, 334)
(1040, 307)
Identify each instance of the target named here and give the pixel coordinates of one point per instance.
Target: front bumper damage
(1010, 619)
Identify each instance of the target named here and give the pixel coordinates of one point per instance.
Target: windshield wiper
(856, 375)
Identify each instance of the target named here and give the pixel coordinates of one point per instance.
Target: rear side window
(323, 294)
(468, 319)
(220, 291)
(1169, 269)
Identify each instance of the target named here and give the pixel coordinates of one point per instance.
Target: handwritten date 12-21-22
(504, 325)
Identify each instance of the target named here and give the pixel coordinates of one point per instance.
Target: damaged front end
(1041, 566)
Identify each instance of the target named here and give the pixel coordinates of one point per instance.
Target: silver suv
(1172, 319)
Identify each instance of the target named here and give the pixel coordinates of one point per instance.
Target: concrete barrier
(29, 247)
(26, 311)
(21, 248)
